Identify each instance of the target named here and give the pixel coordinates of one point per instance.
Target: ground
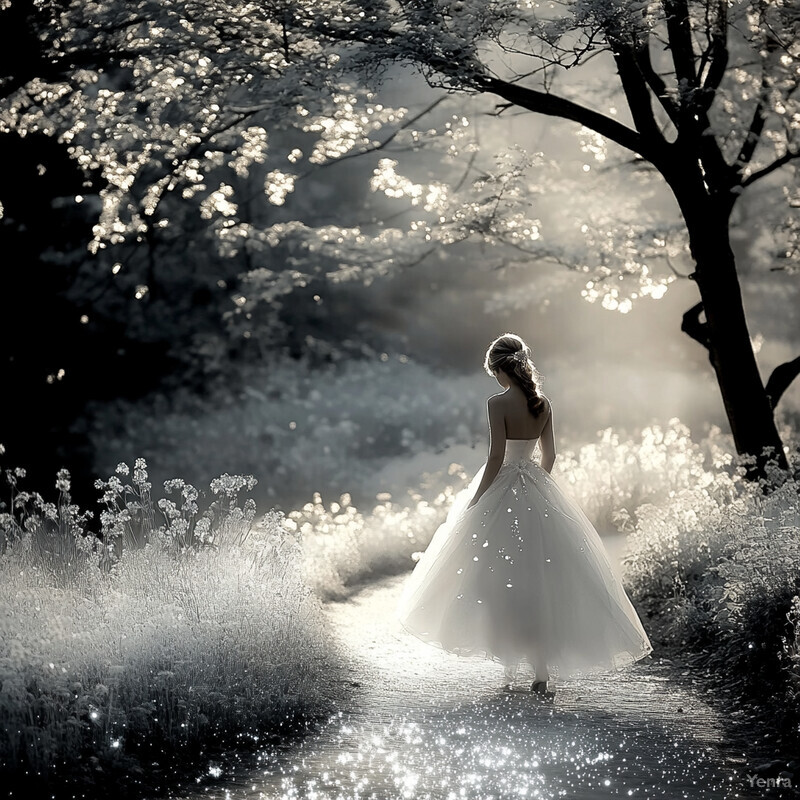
(423, 723)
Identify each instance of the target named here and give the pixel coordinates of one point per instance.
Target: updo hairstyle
(510, 354)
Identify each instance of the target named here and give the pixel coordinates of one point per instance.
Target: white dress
(522, 576)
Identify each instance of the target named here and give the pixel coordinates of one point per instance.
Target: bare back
(520, 423)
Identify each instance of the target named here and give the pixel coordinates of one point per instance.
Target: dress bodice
(519, 449)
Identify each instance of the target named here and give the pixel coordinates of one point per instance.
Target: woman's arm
(497, 448)
(547, 443)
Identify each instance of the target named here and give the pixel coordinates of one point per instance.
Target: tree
(711, 89)
(114, 121)
(156, 96)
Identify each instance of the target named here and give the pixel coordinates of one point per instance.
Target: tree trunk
(730, 351)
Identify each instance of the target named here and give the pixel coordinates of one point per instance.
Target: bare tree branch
(692, 326)
(716, 55)
(753, 137)
(788, 156)
(637, 95)
(554, 106)
(680, 40)
(656, 82)
(758, 121)
(780, 379)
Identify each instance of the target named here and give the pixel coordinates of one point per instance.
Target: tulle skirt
(522, 577)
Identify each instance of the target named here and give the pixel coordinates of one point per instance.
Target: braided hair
(510, 354)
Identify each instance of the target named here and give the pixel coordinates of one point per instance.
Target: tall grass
(613, 479)
(344, 547)
(155, 641)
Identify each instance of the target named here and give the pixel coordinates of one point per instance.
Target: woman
(518, 573)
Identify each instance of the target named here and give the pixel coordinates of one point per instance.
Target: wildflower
(179, 528)
(203, 530)
(122, 468)
(189, 492)
(62, 480)
(229, 485)
(21, 499)
(140, 474)
(169, 509)
(190, 495)
(32, 522)
(107, 520)
(19, 472)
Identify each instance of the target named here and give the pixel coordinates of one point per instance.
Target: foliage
(612, 478)
(715, 568)
(188, 638)
(343, 547)
(299, 426)
(196, 124)
(177, 102)
(185, 125)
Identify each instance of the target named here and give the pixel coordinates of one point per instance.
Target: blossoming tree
(712, 105)
(162, 98)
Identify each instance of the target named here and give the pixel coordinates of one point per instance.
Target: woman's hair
(510, 354)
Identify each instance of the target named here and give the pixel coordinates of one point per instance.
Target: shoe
(539, 688)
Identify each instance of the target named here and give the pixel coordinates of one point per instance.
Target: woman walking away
(517, 573)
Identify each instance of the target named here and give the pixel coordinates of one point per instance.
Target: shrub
(717, 570)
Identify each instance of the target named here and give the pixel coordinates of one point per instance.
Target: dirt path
(428, 725)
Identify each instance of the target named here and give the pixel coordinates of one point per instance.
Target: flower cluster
(137, 662)
(130, 517)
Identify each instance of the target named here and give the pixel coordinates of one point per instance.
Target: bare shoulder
(547, 404)
(496, 407)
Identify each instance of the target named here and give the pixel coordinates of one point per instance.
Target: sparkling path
(423, 724)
